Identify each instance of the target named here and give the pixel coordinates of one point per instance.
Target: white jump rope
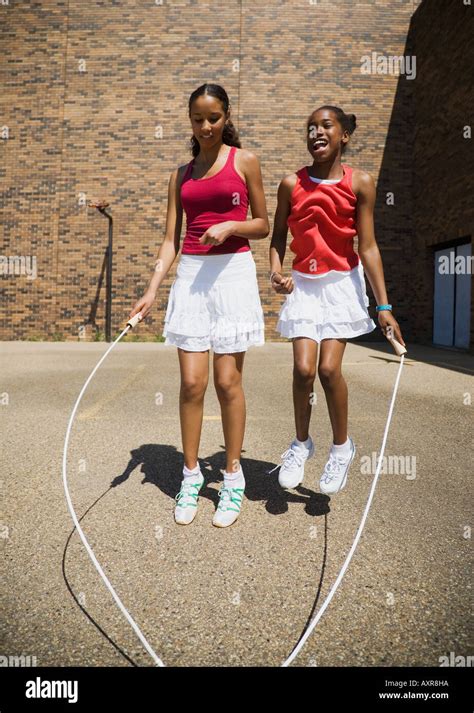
(399, 350)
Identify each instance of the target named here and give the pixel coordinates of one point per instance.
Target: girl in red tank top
(325, 206)
(214, 301)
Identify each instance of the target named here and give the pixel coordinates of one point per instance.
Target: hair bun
(353, 122)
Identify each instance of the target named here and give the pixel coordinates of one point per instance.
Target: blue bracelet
(379, 308)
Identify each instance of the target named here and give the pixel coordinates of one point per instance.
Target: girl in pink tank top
(214, 301)
(208, 201)
(325, 206)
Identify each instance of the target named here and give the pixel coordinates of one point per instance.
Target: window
(452, 296)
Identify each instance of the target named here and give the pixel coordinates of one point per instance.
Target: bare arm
(364, 189)
(169, 247)
(258, 227)
(369, 252)
(280, 234)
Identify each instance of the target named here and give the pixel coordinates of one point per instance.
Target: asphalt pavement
(243, 595)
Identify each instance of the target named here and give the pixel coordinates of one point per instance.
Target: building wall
(87, 94)
(443, 158)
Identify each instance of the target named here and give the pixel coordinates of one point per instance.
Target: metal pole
(101, 206)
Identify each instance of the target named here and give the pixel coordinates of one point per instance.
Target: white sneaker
(335, 473)
(292, 469)
(187, 499)
(228, 509)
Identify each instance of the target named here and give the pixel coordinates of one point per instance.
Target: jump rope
(399, 350)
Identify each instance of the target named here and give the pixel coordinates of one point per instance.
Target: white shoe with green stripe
(228, 509)
(187, 500)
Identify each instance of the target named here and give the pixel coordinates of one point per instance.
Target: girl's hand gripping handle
(399, 348)
(133, 321)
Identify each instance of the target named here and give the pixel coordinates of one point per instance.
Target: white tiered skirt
(214, 302)
(329, 306)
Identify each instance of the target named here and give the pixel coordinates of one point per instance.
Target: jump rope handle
(398, 348)
(133, 321)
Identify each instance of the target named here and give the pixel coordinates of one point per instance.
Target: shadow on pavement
(162, 465)
(448, 358)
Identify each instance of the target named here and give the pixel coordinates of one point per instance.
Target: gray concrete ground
(238, 596)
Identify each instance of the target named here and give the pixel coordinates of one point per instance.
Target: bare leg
(305, 352)
(228, 385)
(334, 385)
(194, 368)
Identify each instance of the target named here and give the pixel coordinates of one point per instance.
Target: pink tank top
(322, 222)
(207, 201)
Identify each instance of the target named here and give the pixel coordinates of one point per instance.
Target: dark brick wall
(443, 160)
(78, 135)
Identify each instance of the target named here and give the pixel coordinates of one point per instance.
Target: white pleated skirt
(330, 306)
(214, 302)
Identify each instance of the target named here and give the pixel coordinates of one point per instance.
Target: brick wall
(443, 159)
(89, 87)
